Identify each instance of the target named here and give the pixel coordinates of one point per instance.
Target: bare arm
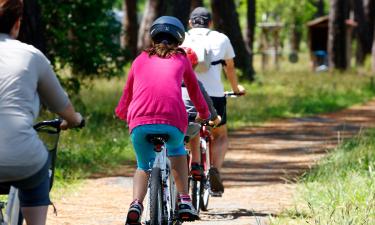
(53, 96)
(230, 72)
(70, 116)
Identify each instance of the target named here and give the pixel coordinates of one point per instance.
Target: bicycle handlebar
(232, 94)
(48, 123)
(55, 123)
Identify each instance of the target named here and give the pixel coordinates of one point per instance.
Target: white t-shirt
(221, 49)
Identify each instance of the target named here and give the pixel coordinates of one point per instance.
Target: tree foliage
(289, 12)
(84, 35)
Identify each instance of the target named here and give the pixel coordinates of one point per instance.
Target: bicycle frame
(205, 136)
(12, 209)
(200, 189)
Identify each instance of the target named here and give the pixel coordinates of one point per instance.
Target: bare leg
(219, 145)
(140, 185)
(194, 148)
(35, 215)
(180, 173)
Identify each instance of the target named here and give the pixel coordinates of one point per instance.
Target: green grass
(104, 143)
(295, 94)
(340, 190)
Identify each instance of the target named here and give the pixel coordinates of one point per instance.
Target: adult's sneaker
(134, 214)
(217, 186)
(186, 210)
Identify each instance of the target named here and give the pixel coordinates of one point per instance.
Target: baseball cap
(200, 16)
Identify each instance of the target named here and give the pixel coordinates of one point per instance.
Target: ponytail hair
(164, 46)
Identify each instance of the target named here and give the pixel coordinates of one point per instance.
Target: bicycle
(49, 132)
(200, 189)
(232, 94)
(162, 206)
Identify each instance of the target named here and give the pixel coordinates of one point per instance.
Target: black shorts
(34, 190)
(220, 104)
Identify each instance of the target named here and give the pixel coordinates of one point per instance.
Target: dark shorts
(220, 104)
(34, 190)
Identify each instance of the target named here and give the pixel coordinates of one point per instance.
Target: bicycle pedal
(188, 217)
(216, 194)
(198, 178)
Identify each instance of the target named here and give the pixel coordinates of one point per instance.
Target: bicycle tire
(13, 208)
(156, 200)
(204, 195)
(20, 218)
(205, 183)
(195, 193)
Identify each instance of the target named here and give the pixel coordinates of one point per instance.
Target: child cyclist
(151, 103)
(193, 127)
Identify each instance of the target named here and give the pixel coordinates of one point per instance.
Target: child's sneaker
(135, 213)
(186, 210)
(196, 171)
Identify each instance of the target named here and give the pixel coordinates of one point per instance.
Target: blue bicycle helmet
(168, 25)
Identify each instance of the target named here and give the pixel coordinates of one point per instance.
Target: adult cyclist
(26, 80)
(221, 57)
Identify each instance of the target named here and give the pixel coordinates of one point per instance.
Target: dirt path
(260, 162)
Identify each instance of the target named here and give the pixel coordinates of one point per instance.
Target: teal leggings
(145, 151)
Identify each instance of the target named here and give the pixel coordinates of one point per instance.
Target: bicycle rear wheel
(156, 200)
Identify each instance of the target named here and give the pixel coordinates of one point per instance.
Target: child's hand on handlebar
(199, 119)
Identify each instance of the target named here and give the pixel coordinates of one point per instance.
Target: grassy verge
(104, 143)
(340, 190)
(295, 94)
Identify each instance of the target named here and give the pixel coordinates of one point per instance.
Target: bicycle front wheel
(156, 199)
(204, 194)
(13, 209)
(205, 186)
(195, 192)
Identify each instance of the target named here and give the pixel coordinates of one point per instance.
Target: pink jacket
(152, 94)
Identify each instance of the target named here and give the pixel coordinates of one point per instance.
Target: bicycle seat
(157, 140)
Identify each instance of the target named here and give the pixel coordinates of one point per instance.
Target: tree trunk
(370, 20)
(151, 12)
(319, 5)
(250, 30)
(130, 37)
(225, 19)
(362, 31)
(373, 54)
(320, 8)
(32, 30)
(195, 4)
(337, 35)
(156, 8)
(295, 38)
(181, 10)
